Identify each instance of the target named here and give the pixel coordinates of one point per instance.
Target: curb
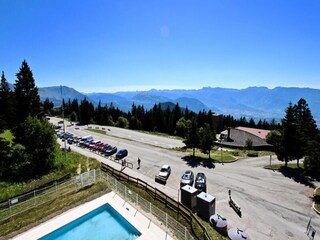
(313, 205)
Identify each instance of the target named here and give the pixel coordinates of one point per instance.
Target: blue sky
(108, 46)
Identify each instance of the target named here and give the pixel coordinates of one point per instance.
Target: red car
(97, 146)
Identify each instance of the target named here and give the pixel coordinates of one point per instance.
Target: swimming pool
(103, 223)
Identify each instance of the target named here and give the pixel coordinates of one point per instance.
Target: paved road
(273, 206)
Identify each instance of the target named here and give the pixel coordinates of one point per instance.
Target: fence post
(185, 233)
(166, 221)
(10, 206)
(125, 192)
(137, 197)
(150, 207)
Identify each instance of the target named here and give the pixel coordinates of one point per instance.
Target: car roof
(200, 174)
(165, 166)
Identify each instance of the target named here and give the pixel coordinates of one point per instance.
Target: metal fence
(22, 203)
(30, 200)
(178, 230)
(195, 226)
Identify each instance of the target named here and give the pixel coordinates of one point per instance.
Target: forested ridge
(33, 149)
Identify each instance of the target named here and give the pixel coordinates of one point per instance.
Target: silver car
(187, 178)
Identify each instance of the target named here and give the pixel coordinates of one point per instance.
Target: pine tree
(312, 161)
(86, 112)
(192, 140)
(207, 138)
(306, 127)
(288, 151)
(6, 103)
(26, 95)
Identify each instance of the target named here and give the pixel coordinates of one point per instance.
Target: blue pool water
(103, 223)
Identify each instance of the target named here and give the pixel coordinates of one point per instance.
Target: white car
(165, 172)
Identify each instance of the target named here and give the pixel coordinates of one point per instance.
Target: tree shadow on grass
(297, 176)
(199, 161)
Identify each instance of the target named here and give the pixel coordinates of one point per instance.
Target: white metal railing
(178, 230)
(22, 203)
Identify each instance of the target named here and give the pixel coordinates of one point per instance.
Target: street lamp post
(64, 127)
(221, 151)
(220, 141)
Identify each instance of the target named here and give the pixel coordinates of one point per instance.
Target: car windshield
(186, 176)
(200, 180)
(163, 170)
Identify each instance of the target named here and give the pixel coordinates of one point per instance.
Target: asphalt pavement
(273, 205)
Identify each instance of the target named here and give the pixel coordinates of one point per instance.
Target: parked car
(76, 139)
(60, 134)
(101, 147)
(105, 148)
(93, 144)
(163, 175)
(70, 140)
(85, 139)
(122, 153)
(187, 178)
(97, 146)
(110, 150)
(88, 143)
(201, 182)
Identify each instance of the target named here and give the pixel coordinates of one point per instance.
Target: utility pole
(221, 150)
(64, 127)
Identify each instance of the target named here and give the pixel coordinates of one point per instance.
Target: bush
(252, 154)
(235, 153)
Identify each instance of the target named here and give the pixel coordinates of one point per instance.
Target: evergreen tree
(98, 114)
(306, 128)
(192, 140)
(207, 138)
(75, 106)
(5, 155)
(26, 96)
(312, 161)
(6, 103)
(47, 105)
(86, 111)
(288, 151)
(39, 141)
(251, 123)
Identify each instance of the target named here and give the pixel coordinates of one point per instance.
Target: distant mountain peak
(256, 102)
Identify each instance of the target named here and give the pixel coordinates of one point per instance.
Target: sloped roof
(261, 133)
(239, 137)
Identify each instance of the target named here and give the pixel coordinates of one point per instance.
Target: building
(237, 137)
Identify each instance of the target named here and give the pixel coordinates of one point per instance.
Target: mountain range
(255, 102)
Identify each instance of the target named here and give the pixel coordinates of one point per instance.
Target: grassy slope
(74, 162)
(42, 213)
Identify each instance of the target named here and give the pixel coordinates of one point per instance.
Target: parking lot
(273, 205)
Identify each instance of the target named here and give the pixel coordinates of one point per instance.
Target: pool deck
(144, 225)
